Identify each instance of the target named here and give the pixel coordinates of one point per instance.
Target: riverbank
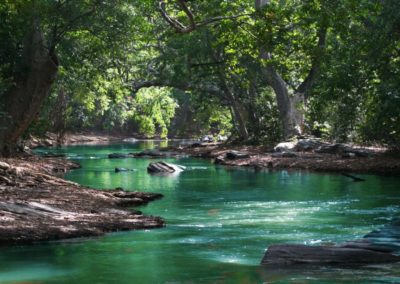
(51, 139)
(36, 204)
(366, 160)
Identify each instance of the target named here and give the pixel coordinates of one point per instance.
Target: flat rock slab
(288, 254)
(36, 206)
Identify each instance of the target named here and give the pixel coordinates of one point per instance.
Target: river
(219, 223)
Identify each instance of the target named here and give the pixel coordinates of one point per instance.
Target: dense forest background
(258, 71)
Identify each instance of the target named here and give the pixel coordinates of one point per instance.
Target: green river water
(219, 223)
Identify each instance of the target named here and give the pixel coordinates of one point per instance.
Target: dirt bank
(36, 205)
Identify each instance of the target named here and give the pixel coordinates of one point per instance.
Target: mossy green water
(219, 222)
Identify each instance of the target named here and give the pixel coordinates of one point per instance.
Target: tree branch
(181, 28)
(305, 87)
(71, 23)
(136, 86)
(188, 13)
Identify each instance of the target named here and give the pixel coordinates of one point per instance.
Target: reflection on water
(219, 222)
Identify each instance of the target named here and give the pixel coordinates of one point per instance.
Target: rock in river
(119, 156)
(156, 154)
(118, 170)
(289, 254)
(163, 167)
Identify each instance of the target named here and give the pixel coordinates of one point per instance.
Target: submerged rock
(119, 156)
(388, 235)
(156, 154)
(118, 170)
(163, 167)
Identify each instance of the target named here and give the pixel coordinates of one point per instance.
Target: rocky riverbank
(322, 157)
(36, 204)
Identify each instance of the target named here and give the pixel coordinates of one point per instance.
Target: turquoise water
(219, 223)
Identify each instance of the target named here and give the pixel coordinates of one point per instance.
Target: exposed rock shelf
(290, 254)
(313, 156)
(379, 246)
(35, 205)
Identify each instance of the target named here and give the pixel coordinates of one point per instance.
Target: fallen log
(354, 178)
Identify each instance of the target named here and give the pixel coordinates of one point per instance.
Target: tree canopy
(259, 72)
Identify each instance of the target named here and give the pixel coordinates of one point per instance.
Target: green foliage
(210, 81)
(358, 92)
(153, 110)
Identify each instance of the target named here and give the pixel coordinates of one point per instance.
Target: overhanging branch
(316, 63)
(193, 25)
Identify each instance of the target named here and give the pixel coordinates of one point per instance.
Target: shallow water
(219, 223)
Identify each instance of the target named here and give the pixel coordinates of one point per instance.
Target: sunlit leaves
(153, 110)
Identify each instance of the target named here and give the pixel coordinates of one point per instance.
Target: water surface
(219, 223)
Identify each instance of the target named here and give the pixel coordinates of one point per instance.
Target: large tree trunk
(289, 105)
(22, 102)
(238, 116)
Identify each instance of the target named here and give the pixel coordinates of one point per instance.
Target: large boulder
(163, 167)
(149, 153)
(207, 139)
(309, 144)
(285, 147)
(4, 166)
(289, 254)
(332, 149)
(222, 138)
(301, 145)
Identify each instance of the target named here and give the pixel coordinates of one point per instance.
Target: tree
(290, 99)
(31, 52)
